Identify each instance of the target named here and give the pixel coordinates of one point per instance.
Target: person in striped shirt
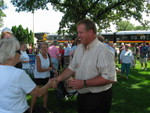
(94, 68)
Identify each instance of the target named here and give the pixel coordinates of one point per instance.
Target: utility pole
(33, 23)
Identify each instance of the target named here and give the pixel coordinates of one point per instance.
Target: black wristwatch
(85, 85)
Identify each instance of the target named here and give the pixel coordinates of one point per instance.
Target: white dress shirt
(94, 60)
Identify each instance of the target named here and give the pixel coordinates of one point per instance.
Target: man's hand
(76, 84)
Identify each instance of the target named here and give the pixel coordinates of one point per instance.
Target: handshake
(53, 83)
(71, 83)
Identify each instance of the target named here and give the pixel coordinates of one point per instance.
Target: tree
(103, 12)
(144, 26)
(23, 35)
(2, 6)
(124, 26)
(31, 38)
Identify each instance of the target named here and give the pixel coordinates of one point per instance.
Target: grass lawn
(130, 95)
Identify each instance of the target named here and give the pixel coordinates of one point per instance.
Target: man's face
(83, 34)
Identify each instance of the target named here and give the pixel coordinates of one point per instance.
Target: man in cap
(6, 33)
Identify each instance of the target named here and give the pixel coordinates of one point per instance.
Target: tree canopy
(103, 12)
(2, 6)
(126, 26)
(23, 35)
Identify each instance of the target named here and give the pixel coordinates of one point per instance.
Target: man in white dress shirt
(94, 69)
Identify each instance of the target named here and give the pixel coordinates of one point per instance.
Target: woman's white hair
(8, 49)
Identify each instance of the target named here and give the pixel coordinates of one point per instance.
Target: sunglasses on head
(18, 51)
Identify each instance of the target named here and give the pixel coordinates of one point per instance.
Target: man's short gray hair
(8, 49)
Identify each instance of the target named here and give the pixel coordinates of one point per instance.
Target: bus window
(133, 37)
(142, 37)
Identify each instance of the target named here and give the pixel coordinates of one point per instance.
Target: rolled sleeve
(109, 72)
(106, 67)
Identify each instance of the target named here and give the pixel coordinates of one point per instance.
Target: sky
(44, 20)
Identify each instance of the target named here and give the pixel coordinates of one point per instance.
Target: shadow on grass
(132, 95)
(62, 105)
(56, 104)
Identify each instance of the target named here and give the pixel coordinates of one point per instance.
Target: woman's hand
(50, 68)
(56, 73)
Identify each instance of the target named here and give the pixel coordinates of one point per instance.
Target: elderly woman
(15, 83)
(7, 33)
(126, 60)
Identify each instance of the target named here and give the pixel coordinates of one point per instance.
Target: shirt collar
(91, 44)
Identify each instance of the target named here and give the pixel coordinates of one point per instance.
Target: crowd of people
(130, 53)
(89, 61)
(127, 54)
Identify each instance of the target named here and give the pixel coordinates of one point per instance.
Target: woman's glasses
(18, 51)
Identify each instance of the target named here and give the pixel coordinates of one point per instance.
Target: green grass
(129, 95)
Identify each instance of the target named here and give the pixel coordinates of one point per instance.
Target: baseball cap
(7, 30)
